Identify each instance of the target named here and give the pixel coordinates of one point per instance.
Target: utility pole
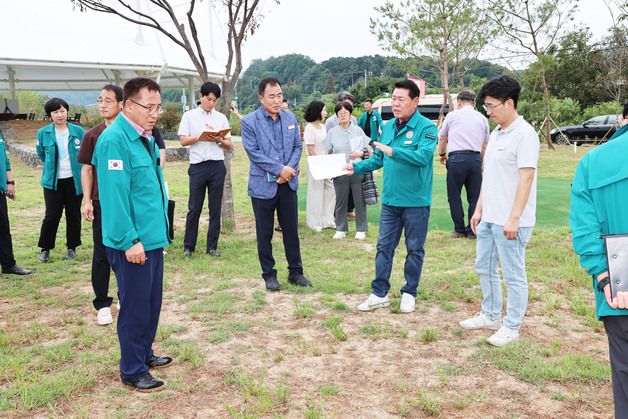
(365, 75)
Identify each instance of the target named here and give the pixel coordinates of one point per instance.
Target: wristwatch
(603, 283)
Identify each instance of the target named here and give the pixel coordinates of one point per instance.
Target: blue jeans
(394, 220)
(493, 247)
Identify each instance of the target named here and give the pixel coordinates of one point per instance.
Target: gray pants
(342, 185)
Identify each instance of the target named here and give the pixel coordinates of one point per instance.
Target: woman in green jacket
(58, 145)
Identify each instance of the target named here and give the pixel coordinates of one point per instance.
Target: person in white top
(207, 168)
(505, 213)
(321, 198)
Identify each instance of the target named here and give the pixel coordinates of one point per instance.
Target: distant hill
(302, 78)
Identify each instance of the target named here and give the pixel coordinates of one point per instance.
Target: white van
(429, 106)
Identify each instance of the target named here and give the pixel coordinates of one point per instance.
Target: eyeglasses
(489, 107)
(151, 109)
(106, 101)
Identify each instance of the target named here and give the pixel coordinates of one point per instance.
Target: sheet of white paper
(327, 166)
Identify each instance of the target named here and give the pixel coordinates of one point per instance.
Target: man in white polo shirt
(505, 213)
(207, 168)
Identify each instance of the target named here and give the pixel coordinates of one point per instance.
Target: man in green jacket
(406, 152)
(599, 197)
(623, 124)
(370, 121)
(134, 207)
(7, 190)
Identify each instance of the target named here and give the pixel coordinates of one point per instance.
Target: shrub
(605, 108)
(170, 119)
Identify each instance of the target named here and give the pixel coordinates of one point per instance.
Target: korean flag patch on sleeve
(115, 165)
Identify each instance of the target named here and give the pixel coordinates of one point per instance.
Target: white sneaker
(340, 235)
(317, 229)
(407, 303)
(480, 321)
(360, 235)
(374, 302)
(503, 336)
(104, 316)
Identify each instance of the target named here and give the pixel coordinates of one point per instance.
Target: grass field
(241, 352)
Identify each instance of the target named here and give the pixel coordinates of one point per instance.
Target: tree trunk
(227, 209)
(444, 79)
(548, 107)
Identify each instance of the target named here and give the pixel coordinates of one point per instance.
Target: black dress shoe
(70, 254)
(214, 253)
(16, 270)
(146, 383)
(44, 256)
(299, 279)
(159, 362)
(272, 284)
(187, 252)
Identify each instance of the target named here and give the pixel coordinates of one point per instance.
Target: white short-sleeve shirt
(193, 123)
(509, 150)
(315, 136)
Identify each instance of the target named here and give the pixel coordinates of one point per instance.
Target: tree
(243, 19)
(574, 72)
(329, 84)
(410, 27)
(614, 63)
(533, 26)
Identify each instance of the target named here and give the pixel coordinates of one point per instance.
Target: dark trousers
(100, 264)
(208, 175)
(463, 169)
(139, 289)
(345, 187)
(412, 221)
(617, 331)
(285, 202)
(7, 260)
(64, 197)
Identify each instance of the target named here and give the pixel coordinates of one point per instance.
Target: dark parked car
(597, 128)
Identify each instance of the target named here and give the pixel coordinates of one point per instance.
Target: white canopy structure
(47, 75)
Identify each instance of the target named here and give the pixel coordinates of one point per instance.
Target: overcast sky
(50, 29)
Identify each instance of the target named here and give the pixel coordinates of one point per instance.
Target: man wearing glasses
(207, 167)
(135, 227)
(109, 106)
(505, 213)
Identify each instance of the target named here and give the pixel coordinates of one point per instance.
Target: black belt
(207, 162)
(464, 152)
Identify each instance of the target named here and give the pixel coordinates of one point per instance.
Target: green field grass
(244, 353)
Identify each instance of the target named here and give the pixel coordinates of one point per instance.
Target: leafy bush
(605, 108)
(564, 111)
(170, 119)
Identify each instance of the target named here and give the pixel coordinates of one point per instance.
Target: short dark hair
(268, 81)
(502, 88)
(313, 111)
(410, 86)
(625, 114)
(284, 100)
(133, 86)
(368, 100)
(343, 105)
(117, 90)
(209, 87)
(55, 104)
(342, 96)
(466, 96)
